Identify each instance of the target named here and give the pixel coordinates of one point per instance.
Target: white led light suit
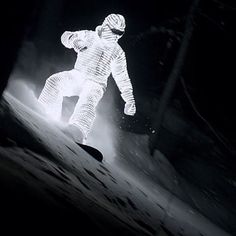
(98, 55)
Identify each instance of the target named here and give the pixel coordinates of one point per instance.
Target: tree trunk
(14, 25)
(174, 75)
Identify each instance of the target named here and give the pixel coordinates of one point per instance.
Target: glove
(66, 38)
(78, 45)
(130, 109)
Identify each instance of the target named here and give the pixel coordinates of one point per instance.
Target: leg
(84, 113)
(56, 86)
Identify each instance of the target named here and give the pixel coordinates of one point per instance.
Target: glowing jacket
(97, 58)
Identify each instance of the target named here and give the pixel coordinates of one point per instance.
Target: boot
(74, 133)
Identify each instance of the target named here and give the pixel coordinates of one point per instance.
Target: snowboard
(93, 152)
(96, 154)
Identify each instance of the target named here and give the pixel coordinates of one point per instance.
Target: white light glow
(98, 55)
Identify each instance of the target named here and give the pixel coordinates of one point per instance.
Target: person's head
(113, 24)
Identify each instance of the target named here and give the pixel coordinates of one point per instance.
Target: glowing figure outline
(98, 56)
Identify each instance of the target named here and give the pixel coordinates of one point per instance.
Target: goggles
(116, 31)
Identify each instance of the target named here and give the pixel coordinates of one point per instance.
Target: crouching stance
(98, 55)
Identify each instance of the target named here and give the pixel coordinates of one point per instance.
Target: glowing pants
(72, 83)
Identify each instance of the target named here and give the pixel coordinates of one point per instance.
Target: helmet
(116, 23)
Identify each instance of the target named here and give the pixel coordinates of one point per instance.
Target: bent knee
(55, 80)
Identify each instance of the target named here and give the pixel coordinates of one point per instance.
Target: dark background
(200, 113)
(152, 39)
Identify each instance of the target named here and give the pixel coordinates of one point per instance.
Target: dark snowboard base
(92, 151)
(96, 154)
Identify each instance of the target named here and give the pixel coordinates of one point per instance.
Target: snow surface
(52, 162)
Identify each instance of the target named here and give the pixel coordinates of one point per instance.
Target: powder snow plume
(104, 131)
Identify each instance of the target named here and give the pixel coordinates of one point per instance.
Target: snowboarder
(98, 55)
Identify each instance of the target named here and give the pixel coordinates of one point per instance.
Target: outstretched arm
(121, 77)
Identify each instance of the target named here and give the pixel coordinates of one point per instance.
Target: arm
(121, 77)
(76, 40)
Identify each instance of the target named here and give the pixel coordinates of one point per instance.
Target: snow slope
(39, 155)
